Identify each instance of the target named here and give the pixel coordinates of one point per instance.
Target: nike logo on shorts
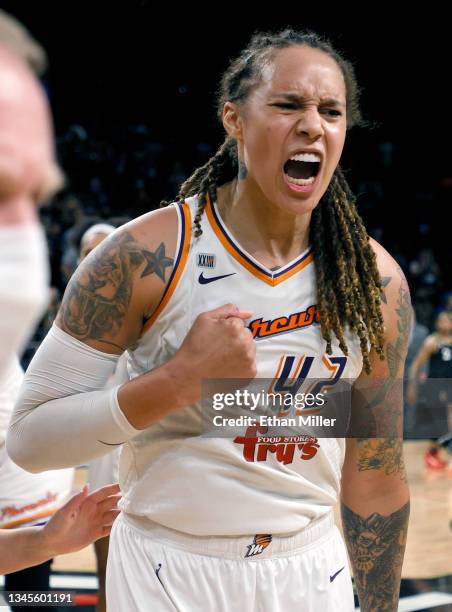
(336, 574)
(210, 279)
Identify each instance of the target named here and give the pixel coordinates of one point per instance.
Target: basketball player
(29, 173)
(263, 265)
(437, 350)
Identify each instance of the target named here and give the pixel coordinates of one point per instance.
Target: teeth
(300, 181)
(306, 157)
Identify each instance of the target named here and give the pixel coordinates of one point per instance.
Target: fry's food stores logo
(282, 447)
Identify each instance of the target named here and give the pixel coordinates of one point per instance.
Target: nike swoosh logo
(204, 281)
(334, 575)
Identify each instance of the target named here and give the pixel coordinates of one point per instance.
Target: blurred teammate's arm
(82, 520)
(375, 495)
(426, 351)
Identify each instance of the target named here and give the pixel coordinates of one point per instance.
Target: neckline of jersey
(244, 253)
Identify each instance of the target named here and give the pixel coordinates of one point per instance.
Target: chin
(305, 207)
(297, 206)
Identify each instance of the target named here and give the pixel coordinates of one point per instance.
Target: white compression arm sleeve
(63, 416)
(23, 286)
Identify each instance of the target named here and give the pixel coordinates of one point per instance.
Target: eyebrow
(301, 99)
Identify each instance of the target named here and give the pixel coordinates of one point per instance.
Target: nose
(310, 124)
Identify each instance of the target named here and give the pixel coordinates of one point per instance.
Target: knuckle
(235, 327)
(245, 338)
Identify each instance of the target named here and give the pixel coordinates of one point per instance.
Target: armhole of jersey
(182, 250)
(436, 347)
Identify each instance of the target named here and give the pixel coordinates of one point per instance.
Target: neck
(444, 336)
(18, 210)
(272, 235)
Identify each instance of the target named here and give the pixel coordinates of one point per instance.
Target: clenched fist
(219, 345)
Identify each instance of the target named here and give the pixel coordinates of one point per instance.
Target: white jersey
(25, 499)
(173, 475)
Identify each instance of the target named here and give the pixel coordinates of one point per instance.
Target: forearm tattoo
(98, 296)
(376, 546)
(384, 454)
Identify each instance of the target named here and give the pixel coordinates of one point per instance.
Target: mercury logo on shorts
(260, 543)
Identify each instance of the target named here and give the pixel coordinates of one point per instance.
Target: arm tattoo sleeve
(97, 298)
(376, 545)
(385, 402)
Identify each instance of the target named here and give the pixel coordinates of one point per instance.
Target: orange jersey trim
(181, 260)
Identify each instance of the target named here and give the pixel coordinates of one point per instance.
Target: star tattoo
(384, 283)
(157, 262)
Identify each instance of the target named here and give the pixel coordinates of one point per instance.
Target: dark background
(132, 87)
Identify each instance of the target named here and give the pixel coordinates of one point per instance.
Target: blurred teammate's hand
(82, 520)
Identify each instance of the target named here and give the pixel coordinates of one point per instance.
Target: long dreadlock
(348, 281)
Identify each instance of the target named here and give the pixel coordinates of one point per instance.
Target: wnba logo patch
(261, 541)
(205, 260)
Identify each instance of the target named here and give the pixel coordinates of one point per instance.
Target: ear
(232, 121)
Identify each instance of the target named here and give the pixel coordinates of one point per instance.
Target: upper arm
(397, 319)
(375, 446)
(120, 283)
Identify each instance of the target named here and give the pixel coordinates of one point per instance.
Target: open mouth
(302, 169)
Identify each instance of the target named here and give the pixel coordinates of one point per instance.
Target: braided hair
(348, 281)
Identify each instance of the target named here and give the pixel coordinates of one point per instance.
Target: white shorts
(154, 568)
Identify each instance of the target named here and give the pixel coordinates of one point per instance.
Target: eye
(332, 112)
(285, 105)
